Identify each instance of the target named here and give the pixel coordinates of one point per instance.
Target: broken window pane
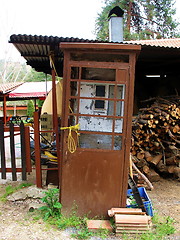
(74, 72)
(73, 105)
(74, 88)
(99, 104)
(100, 90)
(100, 57)
(102, 74)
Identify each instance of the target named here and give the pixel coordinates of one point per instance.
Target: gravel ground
(18, 224)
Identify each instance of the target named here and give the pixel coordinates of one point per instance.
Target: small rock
(34, 192)
(20, 195)
(34, 206)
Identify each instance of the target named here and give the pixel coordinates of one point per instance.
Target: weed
(82, 234)
(162, 227)
(53, 206)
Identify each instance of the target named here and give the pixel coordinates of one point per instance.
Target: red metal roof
(169, 43)
(7, 87)
(31, 90)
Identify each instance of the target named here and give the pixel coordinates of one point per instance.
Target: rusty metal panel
(93, 181)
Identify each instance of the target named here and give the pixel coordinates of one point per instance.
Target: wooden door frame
(126, 49)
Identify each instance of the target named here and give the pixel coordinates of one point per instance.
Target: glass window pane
(87, 90)
(96, 141)
(110, 111)
(120, 108)
(117, 142)
(103, 74)
(118, 125)
(95, 124)
(120, 92)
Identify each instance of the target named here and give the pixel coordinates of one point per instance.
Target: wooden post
(2, 150)
(4, 110)
(23, 151)
(37, 151)
(12, 148)
(28, 152)
(55, 117)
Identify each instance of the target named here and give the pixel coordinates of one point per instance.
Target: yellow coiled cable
(72, 146)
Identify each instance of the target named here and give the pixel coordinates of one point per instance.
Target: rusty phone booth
(98, 85)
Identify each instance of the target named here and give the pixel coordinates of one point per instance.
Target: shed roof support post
(55, 116)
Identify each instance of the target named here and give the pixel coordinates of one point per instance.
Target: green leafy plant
(53, 206)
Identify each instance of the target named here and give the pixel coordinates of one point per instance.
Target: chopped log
(140, 155)
(161, 167)
(146, 169)
(174, 170)
(155, 160)
(171, 160)
(153, 176)
(148, 156)
(141, 163)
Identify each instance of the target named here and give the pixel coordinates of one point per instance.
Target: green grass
(10, 190)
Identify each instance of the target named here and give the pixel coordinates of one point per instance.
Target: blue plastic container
(145, 198)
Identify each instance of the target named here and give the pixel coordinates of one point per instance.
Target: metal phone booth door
(97, 95)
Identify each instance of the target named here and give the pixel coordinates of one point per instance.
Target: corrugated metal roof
(167, 43)
(7, 87)
(36, 51)
(31, 90)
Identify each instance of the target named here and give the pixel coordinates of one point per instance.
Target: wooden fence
(13, 131)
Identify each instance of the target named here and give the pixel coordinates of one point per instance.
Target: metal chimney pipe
(116, 25)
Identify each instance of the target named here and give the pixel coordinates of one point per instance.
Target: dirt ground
(17, 223)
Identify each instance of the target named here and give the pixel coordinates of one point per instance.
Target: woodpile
(130, 220)
(156, 138)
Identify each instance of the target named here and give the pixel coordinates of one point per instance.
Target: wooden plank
(12, 149)
(132, 219)
(130, 231)
(9, 170)
(2, 150)
(28, 151)
(23, 151)
(114, 211)
(96, 46)
(37, 151)
(134, 229)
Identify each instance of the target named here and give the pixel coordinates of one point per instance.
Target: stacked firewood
(155, 145)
